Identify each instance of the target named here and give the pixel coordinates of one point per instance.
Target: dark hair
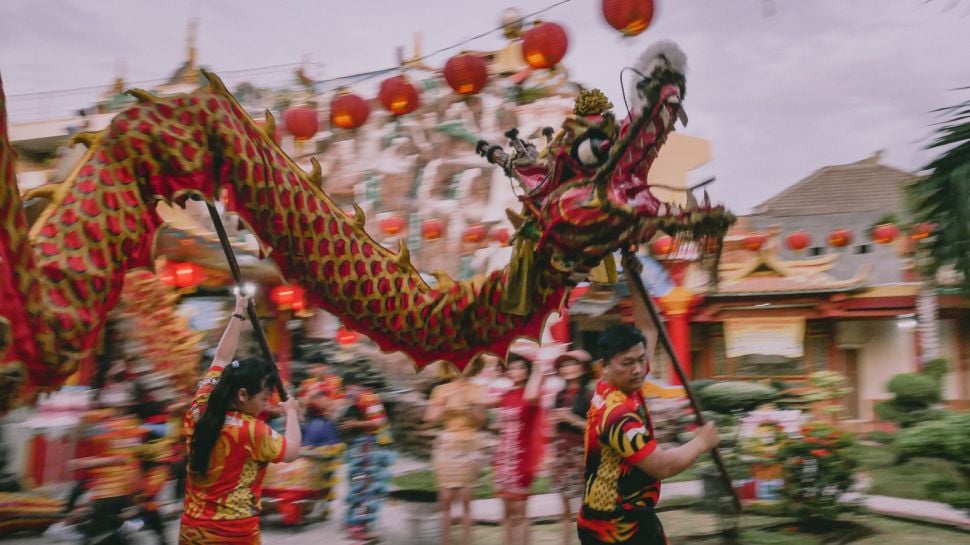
(514, 357)
(255, 375)
(618, 338)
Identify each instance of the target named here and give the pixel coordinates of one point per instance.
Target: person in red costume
(519, 448)
(229, 448)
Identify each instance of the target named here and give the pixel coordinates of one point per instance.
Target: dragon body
(59, 280)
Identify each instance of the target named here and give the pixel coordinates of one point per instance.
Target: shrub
(882, 437)
(890, 411)
(948, 439)
(914, 389)
(726, 397)
(935, 368)
(818, 470)
(957, 498)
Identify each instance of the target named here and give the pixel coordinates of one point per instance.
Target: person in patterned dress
(229, 448)
(367, 433)
(624, 467)
(572, 403)
(519, 449)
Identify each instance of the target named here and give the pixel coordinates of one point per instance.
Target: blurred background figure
(519, 449)
(572, 403)
(367, 434)
(459, 407)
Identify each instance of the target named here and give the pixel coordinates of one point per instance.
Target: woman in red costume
(229, 448)
(519, 448)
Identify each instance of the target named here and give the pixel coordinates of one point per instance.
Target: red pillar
(679, 328)
(676, 306)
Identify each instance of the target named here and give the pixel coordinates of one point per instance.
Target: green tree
(943, 197)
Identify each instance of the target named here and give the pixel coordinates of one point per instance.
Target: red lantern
(475, 233)
(398, 96)
(544, 45)
(184, 275)
(754, 241)
(840, 238)
(432, 229)
(631, 17)
(798, 241)
(348, 111)
(501, 235)
(465, 73)
(346, 336)
(391, 225)
(662, 246)
(301, 122)
(884, 233)
(922, 230)
(288, 297)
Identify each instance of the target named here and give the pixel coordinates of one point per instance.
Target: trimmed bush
(726, 397)
(948, 439)
(914, 389)
(935, 368)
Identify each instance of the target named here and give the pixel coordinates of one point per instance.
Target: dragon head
(587, 194)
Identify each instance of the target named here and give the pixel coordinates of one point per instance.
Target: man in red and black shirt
(623, 464)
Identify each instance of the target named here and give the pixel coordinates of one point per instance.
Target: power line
(244, 71)
(364, 76)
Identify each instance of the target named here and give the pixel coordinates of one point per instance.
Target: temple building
(808, 283)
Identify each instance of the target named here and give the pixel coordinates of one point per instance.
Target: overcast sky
(779, 92)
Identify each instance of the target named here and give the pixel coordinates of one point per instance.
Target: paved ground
(403, 524)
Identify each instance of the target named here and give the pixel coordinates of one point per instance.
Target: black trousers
(628, 527)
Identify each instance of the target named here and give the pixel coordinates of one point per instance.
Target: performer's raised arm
(230, 337)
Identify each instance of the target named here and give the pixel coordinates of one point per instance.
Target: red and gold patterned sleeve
(626, 433)
(202, 397)
(265, 445)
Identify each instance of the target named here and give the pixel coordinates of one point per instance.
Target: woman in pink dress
(519, 447)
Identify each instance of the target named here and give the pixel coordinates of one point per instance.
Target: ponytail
(253, 374)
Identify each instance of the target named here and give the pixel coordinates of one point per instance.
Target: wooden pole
(630, 267)
(251, 310)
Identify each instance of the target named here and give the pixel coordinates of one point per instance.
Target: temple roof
(863, 186)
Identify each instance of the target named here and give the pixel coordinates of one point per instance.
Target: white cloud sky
(817, 83)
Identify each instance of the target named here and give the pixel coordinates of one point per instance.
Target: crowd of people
(594, 435)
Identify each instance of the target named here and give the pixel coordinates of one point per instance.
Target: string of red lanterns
(840, 238)
(348, 111)
(544, 45)
(290, 297)
(466, 73)
(432, 229)
(798, 241)
(884, 233)
(755, 241)
(391, 225)
(182, 275)
(301, 122)
(398, 95)
(475, 233)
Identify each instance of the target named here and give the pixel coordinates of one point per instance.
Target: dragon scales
(59, 282)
